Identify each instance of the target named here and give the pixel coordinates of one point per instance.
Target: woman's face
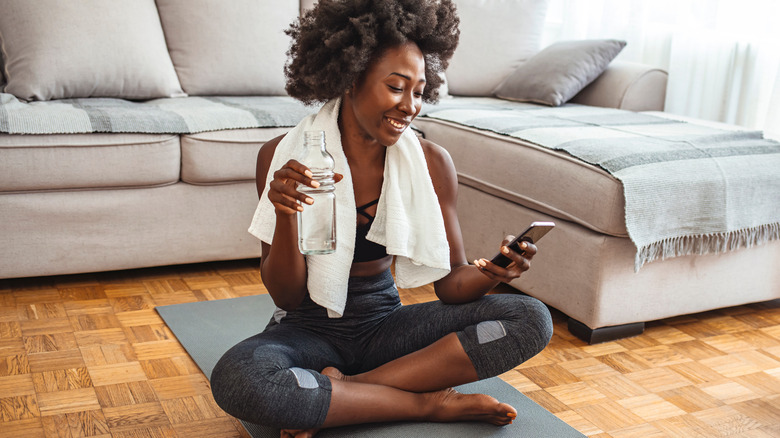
(389, 95)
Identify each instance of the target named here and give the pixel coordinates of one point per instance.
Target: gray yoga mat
(207, 329)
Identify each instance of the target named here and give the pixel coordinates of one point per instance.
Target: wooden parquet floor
(87, 355)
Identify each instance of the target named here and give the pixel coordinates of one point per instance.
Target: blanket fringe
(715, 243)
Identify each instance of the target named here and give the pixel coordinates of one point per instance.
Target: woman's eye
(395, 88)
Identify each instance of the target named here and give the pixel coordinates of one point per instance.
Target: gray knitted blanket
(689, 188)
(182, 115)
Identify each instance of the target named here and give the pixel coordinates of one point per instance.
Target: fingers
(522, 258)
(486, 268)
(504, 275)
(507, 239)
(294, 171)
(523, 248)
(299, 168)
(284, 195)
(529, 250)
(520, 262)
(283, 189)
(519, 259)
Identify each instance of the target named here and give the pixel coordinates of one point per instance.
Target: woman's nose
(407, 103)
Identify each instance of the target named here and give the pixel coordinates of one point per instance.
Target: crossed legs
(412, 387)
(408, 367)
(501, 331)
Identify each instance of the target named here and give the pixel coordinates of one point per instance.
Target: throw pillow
(228, 48)
(559, 72)
(495, 37)
(58, 49)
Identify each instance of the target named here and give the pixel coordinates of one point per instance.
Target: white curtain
(723, 56)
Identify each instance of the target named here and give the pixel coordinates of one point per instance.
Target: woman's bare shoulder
(264, 158)
(438, 158)
(267, 150)
(266, 153)
(442, 170)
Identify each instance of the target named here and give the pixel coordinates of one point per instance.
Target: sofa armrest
(626, 85)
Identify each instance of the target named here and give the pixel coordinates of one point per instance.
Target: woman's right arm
(282, 266)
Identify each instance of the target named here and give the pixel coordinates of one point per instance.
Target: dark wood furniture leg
(604, 334)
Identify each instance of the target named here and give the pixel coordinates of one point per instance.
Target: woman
(343, 350)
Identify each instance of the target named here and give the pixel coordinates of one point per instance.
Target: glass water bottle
(317, 222)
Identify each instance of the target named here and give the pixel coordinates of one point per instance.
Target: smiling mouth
(397, 125)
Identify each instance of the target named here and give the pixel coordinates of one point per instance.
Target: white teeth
(396, 124)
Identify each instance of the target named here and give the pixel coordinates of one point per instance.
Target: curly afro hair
(335, 42)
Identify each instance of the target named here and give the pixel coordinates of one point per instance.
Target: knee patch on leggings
(497, 346)
(304, 378)
(262, 393)
(489, 331)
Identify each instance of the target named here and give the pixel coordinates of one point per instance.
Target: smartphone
(534, 232)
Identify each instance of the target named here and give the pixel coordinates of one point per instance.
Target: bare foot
(334, 373)
(450, 405)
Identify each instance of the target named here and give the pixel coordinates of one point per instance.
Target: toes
(510, 411)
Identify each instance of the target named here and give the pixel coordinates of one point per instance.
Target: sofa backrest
(217, 47)
(55, 49)
(142, 49)
(496, 36)
(234, 47)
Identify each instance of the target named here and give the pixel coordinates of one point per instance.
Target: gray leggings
(273, 378)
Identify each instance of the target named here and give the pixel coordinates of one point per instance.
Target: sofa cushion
(87, 161)
(560, 71)
(550, 182)
(228, 48)
(56, 49)
(223, 156)
(485, 57)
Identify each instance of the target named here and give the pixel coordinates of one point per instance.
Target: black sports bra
(366, 250)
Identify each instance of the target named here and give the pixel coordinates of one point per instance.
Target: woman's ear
(350, 91)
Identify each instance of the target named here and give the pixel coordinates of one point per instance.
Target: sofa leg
(604, 334)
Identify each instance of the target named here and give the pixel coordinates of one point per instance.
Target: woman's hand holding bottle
(283, 189)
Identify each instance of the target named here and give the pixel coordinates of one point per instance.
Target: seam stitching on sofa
(637, 79)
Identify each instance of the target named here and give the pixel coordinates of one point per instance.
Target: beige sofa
(119, 169)
(586, 265)
(125, 171)
(589, 267)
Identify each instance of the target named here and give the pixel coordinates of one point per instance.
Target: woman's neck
(359, 149)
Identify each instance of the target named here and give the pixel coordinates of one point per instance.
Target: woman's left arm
(465, 282)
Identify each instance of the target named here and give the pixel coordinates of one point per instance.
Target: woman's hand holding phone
(515, 254)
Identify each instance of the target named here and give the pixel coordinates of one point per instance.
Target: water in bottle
(317, 222)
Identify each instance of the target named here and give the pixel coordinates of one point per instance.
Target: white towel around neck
(408, 221)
